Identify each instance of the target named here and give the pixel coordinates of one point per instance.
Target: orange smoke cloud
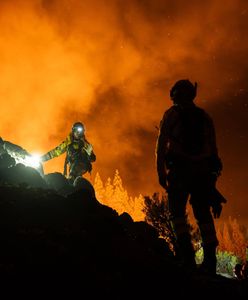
(111, 65)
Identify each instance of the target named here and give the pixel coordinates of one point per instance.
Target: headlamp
(79, 129)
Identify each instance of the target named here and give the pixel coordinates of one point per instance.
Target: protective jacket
(186, 134)
(78, 152)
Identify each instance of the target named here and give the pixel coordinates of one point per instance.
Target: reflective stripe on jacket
(70, 146)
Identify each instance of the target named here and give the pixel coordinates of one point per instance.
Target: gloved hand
(45, 157)
(92, 157)
(216, 209)
(88, 149)
(216, 202)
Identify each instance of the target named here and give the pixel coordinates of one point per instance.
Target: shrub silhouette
(157, 214)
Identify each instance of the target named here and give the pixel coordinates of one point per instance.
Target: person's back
(188, 165)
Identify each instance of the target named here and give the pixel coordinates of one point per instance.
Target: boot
(185, 253)
(209, 263)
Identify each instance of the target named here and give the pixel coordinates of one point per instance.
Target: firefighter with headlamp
(79, 153)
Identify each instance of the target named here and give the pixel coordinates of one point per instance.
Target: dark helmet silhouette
(79, 128)
(183, 91)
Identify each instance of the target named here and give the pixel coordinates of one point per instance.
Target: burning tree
(232, 238)
(113, 194)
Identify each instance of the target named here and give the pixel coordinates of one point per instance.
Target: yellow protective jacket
(72, 147)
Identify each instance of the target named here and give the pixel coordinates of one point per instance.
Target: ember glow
(111, 65)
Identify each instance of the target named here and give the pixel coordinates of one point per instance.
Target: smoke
(110, 64)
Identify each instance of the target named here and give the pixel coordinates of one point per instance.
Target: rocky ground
(58, 240)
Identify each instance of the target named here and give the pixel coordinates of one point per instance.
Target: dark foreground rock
(57, 240)
(56, 245)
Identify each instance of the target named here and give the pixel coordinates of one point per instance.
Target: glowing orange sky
(110, 64)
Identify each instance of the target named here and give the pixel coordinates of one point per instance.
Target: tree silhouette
(157, 214)
(154, 210)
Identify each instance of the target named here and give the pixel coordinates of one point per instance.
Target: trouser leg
(184, 249)
(205, 221)
(76, 169)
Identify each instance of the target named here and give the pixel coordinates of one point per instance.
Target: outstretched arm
(60, 149)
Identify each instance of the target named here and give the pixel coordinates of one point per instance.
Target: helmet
(79, 128)
(183, 91)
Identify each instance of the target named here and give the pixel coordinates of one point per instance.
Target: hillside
(60, 240)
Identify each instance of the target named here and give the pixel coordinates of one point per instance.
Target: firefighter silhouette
(188, 166)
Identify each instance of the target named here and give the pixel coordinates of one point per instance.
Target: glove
(92, 157)
(216, 202)
(45, 157)
(216, 209)
(88, 149)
